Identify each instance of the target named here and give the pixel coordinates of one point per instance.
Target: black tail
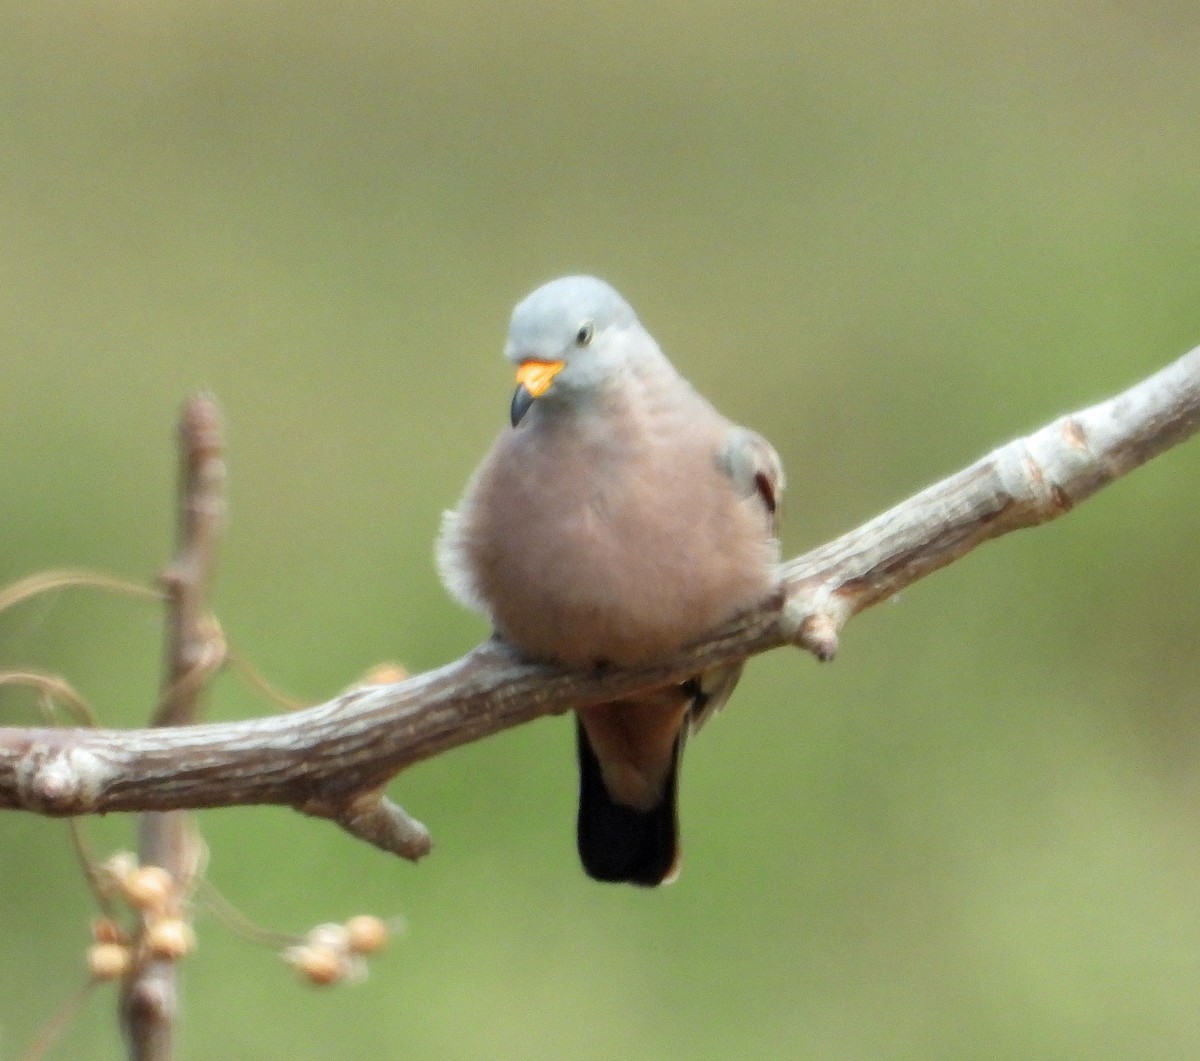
(619, 843)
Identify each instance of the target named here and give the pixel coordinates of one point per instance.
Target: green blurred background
(889, 237)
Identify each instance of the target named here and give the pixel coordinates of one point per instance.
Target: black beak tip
(521, 401)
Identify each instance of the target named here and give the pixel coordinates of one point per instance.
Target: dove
(617, 519)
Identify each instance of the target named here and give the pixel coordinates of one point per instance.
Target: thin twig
(260, 683)
(51, 689)
(234, 920)
(45, 581)
(191, 631)
(87, 862)
(53, 1028)
(194, 650)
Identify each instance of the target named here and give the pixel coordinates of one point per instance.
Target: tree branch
(338, 753)
(194, 650)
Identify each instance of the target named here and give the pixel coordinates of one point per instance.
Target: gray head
(567, 337)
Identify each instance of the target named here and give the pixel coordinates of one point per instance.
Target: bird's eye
(585, 333)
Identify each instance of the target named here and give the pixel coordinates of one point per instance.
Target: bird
(616, 519)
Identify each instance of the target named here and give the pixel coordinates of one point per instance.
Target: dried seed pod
(317, 963)
(108, 961)
(366, 934)
(149, 888)
(119, 865)
(169, 937)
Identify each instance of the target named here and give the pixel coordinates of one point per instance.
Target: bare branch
(327, 756)
(1030, 480)
(194, 649)
(191, 633)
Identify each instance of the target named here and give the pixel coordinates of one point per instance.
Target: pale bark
(331, 760)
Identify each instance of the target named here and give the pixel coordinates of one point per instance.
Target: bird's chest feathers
(599, 556)
(594, 504)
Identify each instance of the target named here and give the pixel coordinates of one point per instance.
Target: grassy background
(887, 238)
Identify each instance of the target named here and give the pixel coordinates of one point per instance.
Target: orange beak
(533, 380)
(536, 376)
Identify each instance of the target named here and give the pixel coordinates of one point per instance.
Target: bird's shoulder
(753, 466)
